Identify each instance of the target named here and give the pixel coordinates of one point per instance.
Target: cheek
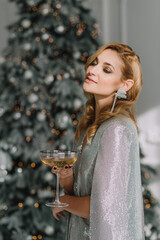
(108, 84)
(109, 80)
(106, 80)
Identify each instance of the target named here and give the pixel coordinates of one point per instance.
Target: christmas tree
(41, 98)
(151, 204)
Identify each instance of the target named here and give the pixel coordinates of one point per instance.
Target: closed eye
(95, 62)
(107, 70)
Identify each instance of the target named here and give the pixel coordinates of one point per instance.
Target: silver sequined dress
(109, 171)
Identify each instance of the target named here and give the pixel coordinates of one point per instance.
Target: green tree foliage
(151, 204)
(41, 97)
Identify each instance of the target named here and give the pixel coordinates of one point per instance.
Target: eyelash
(94, 64)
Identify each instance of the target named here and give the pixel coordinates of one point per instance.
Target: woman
(104, 187)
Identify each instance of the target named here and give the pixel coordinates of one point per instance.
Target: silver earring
(120, 94)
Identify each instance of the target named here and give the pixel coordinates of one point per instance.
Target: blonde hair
(131, 69)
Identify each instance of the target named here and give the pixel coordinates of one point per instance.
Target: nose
(93, 70)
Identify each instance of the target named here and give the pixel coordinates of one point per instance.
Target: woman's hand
(65, 172)
(58, 211)
(66, 177)
(79, 206)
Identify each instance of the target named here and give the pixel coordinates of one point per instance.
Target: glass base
(57, 204)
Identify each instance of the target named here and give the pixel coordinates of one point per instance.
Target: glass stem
(57, 189)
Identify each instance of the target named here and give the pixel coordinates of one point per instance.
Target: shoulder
(119, 125)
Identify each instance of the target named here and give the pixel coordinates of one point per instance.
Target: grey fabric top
(109, 171)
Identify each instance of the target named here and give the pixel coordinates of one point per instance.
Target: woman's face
(103, 75)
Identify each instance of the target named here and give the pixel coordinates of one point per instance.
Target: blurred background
(74, 31)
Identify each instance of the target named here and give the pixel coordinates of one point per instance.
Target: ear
(127, 84)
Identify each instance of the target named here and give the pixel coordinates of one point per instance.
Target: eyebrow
(106, 63)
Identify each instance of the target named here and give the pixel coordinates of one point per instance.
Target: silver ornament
(65, 9)
(3, 174)
(48, 176)
(44, 193)
(19, 170)
(3, 207)
(62, 120)
(77, 103)
(27, 46)
(44, 9)
(8, 178)
(28, 74)
(86, 5)
(49, 230)
(5, 161)
(29, 201)
(29, 237)
(60, 29)
(77, 55)
(45, 36)
(41, 116)
(26, 23)
(17, 115)
(12, 79)
(32, 98)
(31, 3)
(4, 145)
(12, 36)
(13, 149)
(28, 132)
(62, 146)
(66, 75)
(49, 79)
(1, 111)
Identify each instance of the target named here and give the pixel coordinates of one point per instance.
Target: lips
(88, 79)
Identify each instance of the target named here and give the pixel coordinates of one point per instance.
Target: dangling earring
(120, 94)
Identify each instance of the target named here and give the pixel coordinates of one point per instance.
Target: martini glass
(58, 159)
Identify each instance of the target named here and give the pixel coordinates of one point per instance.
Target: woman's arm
(67, 184)
(79, 206)
(116, 196)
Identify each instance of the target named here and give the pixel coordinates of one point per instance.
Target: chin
(87, 89)
(87, 86)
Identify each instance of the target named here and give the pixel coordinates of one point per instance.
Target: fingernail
(66, 166)
(54, 168)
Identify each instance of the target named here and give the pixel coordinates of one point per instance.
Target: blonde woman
(103, 188)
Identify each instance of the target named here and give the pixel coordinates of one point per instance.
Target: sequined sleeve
(116, 209)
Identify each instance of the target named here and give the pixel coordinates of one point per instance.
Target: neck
(101, 102)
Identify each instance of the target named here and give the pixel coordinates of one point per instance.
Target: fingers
(61, 214)
(68, 166)
(56, 215)
(64, 171)
(54, 170)
(67, 171)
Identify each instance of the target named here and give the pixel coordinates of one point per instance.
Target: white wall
(7, 16)
(141, 30)
(142, 33)
(136, 23)
(108, 15)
